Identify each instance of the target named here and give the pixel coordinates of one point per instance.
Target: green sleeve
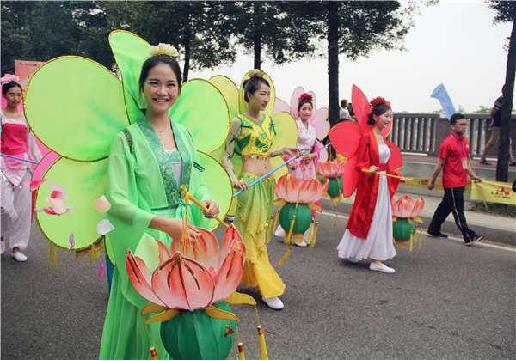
(122, 190)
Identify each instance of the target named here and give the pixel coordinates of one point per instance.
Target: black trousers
(453, 202)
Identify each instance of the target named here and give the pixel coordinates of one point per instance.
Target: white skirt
(379, 242)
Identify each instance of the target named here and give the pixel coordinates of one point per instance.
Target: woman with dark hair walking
(18, 148)
(369, 230)
(251, 135)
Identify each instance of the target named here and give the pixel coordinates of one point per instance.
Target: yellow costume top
(255, 138)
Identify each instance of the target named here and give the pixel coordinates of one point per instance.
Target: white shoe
(380, 267)
(19, 257)
(302, 244)
(274, 303)
(280, 232)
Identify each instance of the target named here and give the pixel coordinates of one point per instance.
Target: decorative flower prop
(56, 201)
(186, 290)
(405, 212)
(298, 198)
(406, 207)
(333, 172)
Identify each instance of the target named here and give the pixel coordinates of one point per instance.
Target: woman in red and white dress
(368, 235)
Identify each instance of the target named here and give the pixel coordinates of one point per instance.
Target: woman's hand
(289, 152)
(211, 209)
(371, 170)
(174, 228)
(239, 184)
(309, 157)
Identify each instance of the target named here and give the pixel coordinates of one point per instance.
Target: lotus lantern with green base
(297, 199)
(405, 212)
(187, 291)
(333, 172)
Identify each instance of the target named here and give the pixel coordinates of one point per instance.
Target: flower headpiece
(256, 72)
(9, 77)
(305, 97)
(164, 49)
(379, 100)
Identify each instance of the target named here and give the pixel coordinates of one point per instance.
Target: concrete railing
(423, 132)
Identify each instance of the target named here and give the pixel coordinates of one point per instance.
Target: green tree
(354, 29)
(506, 12)
(200, 30)
(272, 27)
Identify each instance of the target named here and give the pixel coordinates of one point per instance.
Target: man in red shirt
(453, 159)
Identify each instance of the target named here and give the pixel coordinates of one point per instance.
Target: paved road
(446, 301)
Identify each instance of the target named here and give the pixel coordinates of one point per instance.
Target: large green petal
(75, 106)
(203, 110)
(243, 103)
(286, 131)
(130, 53)
(82, 183)
(229, 90)
(218, 183)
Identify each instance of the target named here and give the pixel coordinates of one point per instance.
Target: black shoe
(437, 235)
(474, 241)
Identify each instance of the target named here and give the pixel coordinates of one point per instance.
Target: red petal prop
(361, 107)
(345, 137)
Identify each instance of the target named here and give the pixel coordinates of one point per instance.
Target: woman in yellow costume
(251, 136)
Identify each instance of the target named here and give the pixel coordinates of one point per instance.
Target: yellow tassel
(262, 343)
(53, 255)
(314, 239)
(289, 234)
(310, 233)
(219, 314)
(286, 255)
(241, 353)
(237, 298)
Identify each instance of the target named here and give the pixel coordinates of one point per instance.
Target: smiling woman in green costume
(148, 163)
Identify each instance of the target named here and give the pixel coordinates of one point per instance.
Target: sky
(454, 42)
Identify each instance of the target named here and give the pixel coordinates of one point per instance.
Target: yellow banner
(488, 191)
(492, 192)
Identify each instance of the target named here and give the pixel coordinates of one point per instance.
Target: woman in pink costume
(19, 151)
(308, 146)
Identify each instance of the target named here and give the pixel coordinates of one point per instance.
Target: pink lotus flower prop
(191, 274)
(292, 190)
(406, 207)
(331, 169)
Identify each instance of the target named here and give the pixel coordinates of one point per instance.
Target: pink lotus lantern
(298, 197)
(187, 288)
(333, 172)
(406, 212)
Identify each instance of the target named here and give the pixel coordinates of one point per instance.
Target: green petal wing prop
(218, 183)
(203, 110)
(82, 183)
(286, 136)
(230, 92)
(130, 52)
(75, 106)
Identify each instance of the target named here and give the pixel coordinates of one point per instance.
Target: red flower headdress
(305, 97)
(379, 100)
